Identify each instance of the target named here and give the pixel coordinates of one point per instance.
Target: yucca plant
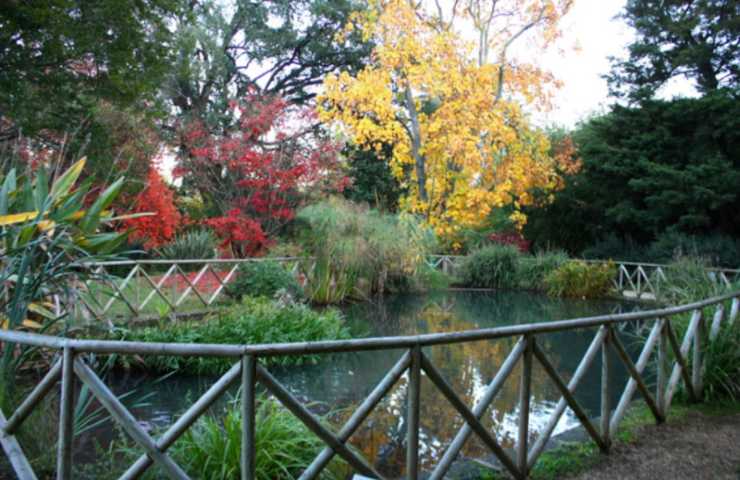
(46, 235)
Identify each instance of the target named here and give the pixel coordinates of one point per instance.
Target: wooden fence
(676, 361)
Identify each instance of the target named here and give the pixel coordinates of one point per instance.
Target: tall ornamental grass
(357, 252)
(495, 266)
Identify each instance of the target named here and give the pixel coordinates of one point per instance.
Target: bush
(197, 245)
(581, 280)
(284, 446)
(717, 250)
(722, 360)
(686, 281)
(357, 251)
(533, 269)
(613, 247)
(491, 267)
(263, 278)
(252, 321)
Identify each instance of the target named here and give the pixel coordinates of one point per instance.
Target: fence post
(605, 392)
(524, 397)
(412, 434)
(696, 367)
(661, 369)
(66, 417)
(249, 369)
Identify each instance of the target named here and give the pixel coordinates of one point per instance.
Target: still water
(338, 384)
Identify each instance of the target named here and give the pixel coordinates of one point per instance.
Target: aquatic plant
(263, 279)
(254, 320)
(494, 266)
(579, 279)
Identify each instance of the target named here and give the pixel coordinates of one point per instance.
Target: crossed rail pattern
(247, 369)
(176, 286)
(643, 280)
(181, 292)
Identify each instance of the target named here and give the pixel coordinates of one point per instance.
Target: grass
(100, 293)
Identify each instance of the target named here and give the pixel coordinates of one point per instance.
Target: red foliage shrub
(259, 173)
(511, 238)
(240, 233)
(157, 198)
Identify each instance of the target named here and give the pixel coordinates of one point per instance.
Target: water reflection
(339, 385)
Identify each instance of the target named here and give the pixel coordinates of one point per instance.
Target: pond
(340, 383)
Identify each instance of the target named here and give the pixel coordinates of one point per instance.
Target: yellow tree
(461, 143)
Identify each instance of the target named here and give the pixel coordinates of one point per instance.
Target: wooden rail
(684, 361)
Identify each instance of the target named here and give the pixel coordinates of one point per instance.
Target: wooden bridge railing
(179, 287)
(676, 361)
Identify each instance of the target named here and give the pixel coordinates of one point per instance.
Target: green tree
(276, 47)
(697, 39)
(666, 166)
(59, 58)
(372, 179)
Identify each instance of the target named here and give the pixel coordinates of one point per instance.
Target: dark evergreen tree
(696, 39)
(372, 180)
(666, 166)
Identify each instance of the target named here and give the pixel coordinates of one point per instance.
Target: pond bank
(700, 441)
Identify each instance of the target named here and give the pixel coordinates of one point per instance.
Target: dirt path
(696, 447)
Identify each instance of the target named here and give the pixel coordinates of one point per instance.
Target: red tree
(258, 174)
(156, 198)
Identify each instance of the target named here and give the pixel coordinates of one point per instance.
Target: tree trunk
(420, 161)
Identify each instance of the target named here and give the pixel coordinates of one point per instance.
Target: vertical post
(661, 368)
(66, 417)
(605, 392)
(696, 374)
(412, 434)
(524, 397)
(248, 453)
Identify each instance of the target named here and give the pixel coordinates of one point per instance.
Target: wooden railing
(676, 361)
(644, 280)
(150, 289)
(155, 288)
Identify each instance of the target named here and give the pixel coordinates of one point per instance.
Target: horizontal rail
(360, 344)
(413, 361)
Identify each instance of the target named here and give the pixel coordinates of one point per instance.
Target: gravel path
(696, 447)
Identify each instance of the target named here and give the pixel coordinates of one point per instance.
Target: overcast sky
(592, 26)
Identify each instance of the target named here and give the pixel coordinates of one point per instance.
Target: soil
(698, 447)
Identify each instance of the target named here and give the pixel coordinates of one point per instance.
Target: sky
(592, 27)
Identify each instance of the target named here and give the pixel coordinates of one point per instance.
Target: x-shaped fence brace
(175, 275)
(413, 362)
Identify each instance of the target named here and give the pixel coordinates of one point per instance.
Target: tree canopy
(461, 142)
(663, 166)
(696, 39)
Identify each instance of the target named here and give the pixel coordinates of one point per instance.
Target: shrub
(284, 446)
(251, 321)
(686, 281)
(613, 247)
(157, 198)
(722, 365)
(196, 244)
(533, 269)
(263, 279)
(357, 251)
(581, 280)
(717, 250)
(491, 267)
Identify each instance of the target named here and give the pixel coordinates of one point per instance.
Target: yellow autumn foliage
(477, 149)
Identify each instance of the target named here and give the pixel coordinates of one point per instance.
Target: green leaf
(9, 185)
(66, 181)
(41, 190)
(92, 217)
